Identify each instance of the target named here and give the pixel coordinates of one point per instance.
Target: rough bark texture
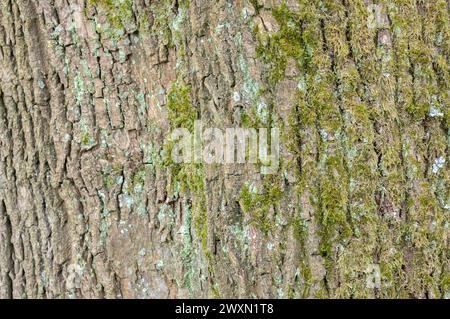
(91, 206)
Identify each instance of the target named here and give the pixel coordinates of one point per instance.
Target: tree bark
(91, 206)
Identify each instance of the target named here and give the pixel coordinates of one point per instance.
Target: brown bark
(90, 208)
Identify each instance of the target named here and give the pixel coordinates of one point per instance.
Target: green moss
(349, 84)
(112, 175)
(137, 180)
(181, 111)
(445, 283)
(108, 181)
(143, 23)
(191, 182)
(215, 291)
(191, 179)
(85, 139)
(258, 204)
(119, 13)
(300, 229)
(251, 119)
(187, 178)
(256, 5)
(274, 50)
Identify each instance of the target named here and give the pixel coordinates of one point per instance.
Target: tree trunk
(92, 206)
